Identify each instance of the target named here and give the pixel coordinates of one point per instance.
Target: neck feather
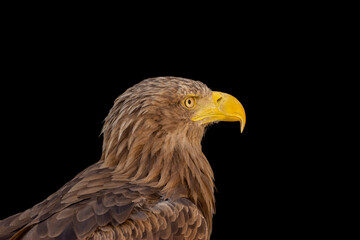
(145, 152)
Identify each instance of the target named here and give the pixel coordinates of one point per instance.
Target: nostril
(217, 97)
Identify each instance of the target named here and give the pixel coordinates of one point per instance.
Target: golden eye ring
(189, 102)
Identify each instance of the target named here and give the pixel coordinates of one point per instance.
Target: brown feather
(152, 180)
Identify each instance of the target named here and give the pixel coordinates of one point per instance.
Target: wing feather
(169, 220)
(120, 211)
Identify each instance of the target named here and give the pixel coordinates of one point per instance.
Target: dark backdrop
(60, 80)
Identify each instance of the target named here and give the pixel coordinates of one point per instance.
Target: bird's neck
(172, 162)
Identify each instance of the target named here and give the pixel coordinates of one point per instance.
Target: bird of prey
(152, 181)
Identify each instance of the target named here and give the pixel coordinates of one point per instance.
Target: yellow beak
(219, 107)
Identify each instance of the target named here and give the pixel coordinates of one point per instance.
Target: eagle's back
(95, 206)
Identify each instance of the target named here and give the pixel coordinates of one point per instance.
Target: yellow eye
(189, 102)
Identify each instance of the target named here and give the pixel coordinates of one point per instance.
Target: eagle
(152, 180)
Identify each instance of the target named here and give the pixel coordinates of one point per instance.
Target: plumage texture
(152, 181)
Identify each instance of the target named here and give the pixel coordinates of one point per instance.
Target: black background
(62, 74)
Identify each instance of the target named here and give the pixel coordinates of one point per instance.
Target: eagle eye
(189, 102)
